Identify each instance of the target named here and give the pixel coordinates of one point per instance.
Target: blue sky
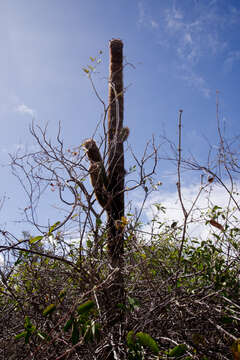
(182, 51)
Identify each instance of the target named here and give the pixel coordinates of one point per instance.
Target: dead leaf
(216, 224)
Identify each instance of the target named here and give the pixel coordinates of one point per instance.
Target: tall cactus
(109, 185)
(116, 174)
(115, 152)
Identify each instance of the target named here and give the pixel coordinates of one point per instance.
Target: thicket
(100, 284)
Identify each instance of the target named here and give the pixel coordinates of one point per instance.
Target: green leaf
(86, 70)
(62, 293)
(98, 222)
(49, 309)
(121, 306)
(160, 207)
(27, 336)
(91, 67)
(22, 334)
(130, 339)
(132, 169)
(75, 334)
(129, 214)
(53, 227)
(146, 340)
(216, 208)
(133, 303)
(33, 240)
(68, 324)
(92, 59)
(19, 260)
(85, 307)
(27, 323)
(178, 351)
(89, 243)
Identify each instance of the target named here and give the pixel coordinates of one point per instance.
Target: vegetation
(96, 283)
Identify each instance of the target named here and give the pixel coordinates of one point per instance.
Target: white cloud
(141, 13)
(188, 38)
(154, 24)
(192, 35)
(196, 81)
(19, 147)
(215, 44)
(234, 15)
(232, 58)
(177, 14)
(209, 197)
(174, 19)
(144, 18)
(196, 37)
(24, 109)
(1, 260)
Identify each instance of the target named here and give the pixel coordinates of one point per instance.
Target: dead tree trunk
(116, 178)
